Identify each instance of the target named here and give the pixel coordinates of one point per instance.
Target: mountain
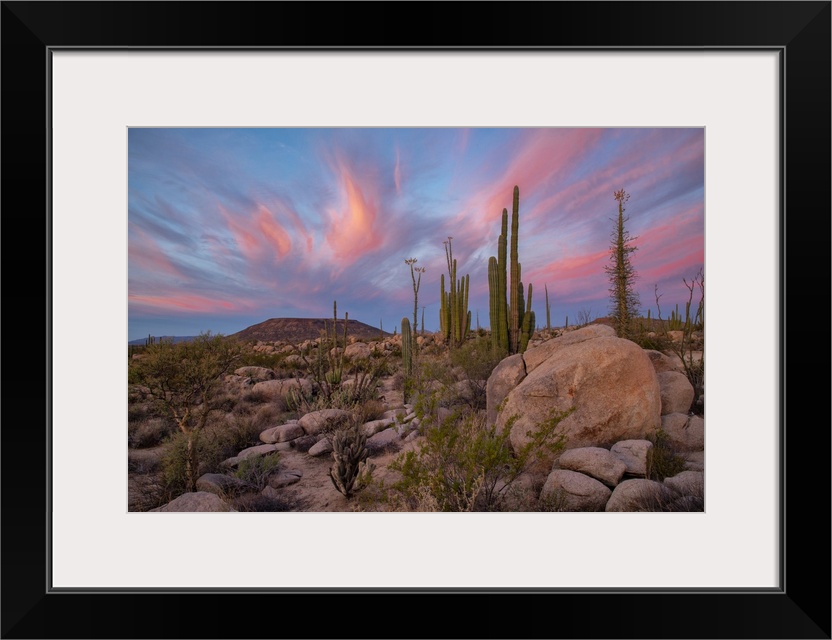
(143, 341)
(297, 330)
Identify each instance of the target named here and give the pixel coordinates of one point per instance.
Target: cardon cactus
(407, 347)
(351, 471)
(509, 330)
(454, 316)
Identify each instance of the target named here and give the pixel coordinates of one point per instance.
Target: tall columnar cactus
(507, 315)
(443, 308)
(515, 306)
(454, 316)
(407, 347)
(527, 329)
(548, 308)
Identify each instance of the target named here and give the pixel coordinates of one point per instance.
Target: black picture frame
(799, 31)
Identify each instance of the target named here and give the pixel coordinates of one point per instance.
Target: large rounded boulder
(610, 384)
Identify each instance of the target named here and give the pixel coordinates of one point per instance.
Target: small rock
(195, 501)
(322, 447)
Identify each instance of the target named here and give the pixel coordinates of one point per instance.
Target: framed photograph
(83, 81)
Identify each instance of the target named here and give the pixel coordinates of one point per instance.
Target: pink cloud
(187, 302)
(569, 274)
(287, 210)
(144, 252)
(352, 230)
(628, 170)
(245, 239)
(397, 173)
(259, 235)
(542, 156)
(272, 231)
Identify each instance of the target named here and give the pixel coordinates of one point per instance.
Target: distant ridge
(143, 341)
(296, 330)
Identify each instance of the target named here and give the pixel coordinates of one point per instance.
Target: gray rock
(374, 426)
(640, 495)
(281, 388)
(684, 432)
(503, 379)
(383, 438)
(281, 433)
(195, 501)
(358, 351)
(633, 453)
(609, 382)
(676, 392)
(662, 362)
(323, 420)
(256, 452)
(596, 462)
(320, 448)
(573, 491)
(219, 484)
(695, 461)
(688, 483)
(533, 358)
(258, 374)
(285, 478)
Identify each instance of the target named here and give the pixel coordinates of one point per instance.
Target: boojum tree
(624, 300)
(417, 282)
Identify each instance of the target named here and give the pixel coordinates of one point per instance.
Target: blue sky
(230, 227)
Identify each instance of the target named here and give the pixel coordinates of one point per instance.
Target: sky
(230, 227)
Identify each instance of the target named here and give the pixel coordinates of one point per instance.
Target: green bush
(255, 471)
(149, 432)
(476, 359)
(174, 462)
(221, 438)
(662, 459)
(465, 465)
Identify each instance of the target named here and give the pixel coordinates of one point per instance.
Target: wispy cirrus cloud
(258, 223)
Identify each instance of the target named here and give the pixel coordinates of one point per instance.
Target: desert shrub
(221, 438)
(466, 465)
(398, 381)
(233, 433)
(431, 386)
(255, 471)
(359, 388)
(251, 358)
(669, 501)
(476, 359)
(370, 410)
(256, 396)
(138, 410)
(175, 479)
(186, 380)
(225, 401)
(647, 338)
(257, 502)
(663, 461)
(149, 432)
(267, 416)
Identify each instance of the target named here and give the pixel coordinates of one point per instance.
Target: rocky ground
(620, 394)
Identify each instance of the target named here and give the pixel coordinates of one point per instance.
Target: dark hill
(143, 341)
(297, 330)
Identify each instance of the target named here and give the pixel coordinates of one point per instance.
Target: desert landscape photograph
(416, 320)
